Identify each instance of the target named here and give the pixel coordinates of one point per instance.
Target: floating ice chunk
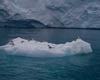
(34, 48)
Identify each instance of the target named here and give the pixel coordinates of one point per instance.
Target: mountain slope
(53, 13)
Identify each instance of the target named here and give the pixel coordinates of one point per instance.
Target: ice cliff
(53, 13)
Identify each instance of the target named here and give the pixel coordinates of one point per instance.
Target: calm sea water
(77, 67)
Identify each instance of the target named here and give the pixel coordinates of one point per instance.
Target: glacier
(53, 13)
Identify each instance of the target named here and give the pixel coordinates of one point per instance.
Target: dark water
(77, 67)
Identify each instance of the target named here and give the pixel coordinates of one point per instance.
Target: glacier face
(53, 13)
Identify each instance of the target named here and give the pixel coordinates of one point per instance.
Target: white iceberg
(34, 48)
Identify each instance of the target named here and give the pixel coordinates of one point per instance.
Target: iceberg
(20, 46)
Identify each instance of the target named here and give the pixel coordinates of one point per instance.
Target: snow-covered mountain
(53, 13)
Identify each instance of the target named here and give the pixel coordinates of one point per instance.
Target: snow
(56, 13)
